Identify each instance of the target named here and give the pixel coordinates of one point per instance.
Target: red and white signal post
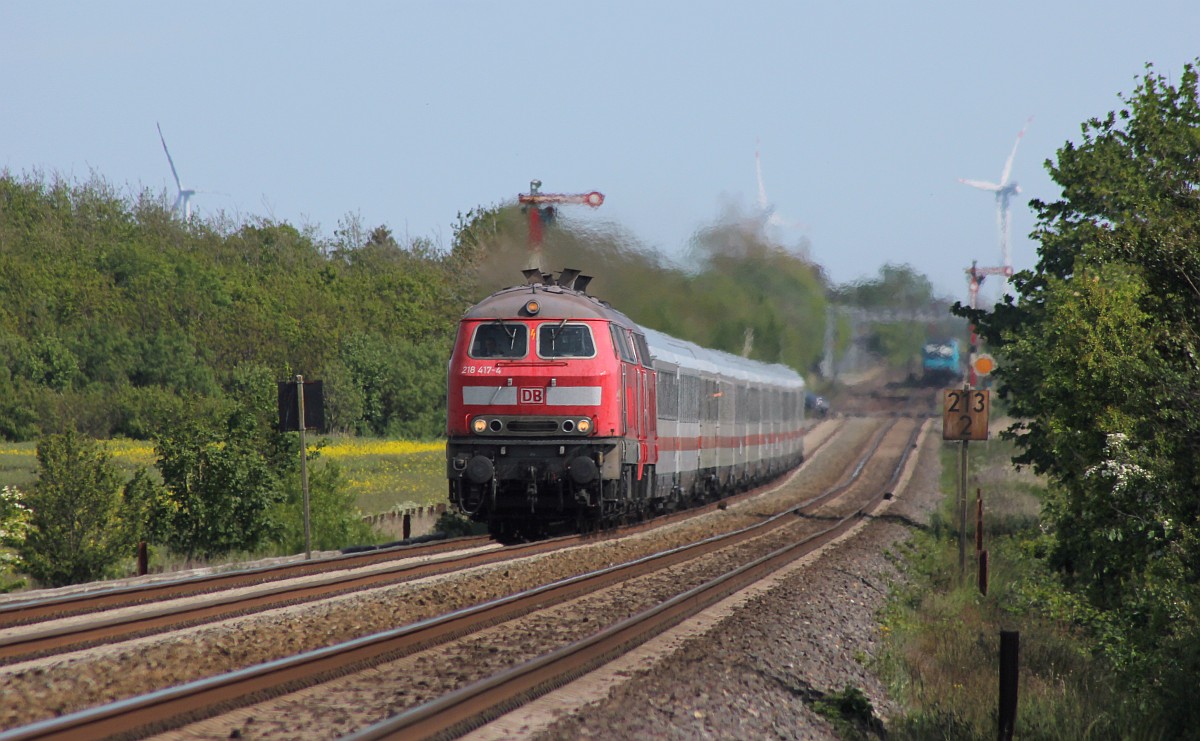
(541, 208)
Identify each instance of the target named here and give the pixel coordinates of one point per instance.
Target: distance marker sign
(965, 414)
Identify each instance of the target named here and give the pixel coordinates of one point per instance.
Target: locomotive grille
(533, 425)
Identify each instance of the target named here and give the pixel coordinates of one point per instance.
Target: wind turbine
(1004, 191)
(184, 199)
(765, 207)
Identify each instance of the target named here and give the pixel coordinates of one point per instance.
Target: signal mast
(975, 277)
(542, 208)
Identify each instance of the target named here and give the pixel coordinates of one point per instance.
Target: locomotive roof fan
(569, 278)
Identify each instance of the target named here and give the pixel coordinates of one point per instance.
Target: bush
(455, 525)
(334, 520)
(75, 533)
(14, 524)
(147, 509)
(220, 484)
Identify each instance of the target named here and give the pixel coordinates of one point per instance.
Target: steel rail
(48, 608)
(58, 638)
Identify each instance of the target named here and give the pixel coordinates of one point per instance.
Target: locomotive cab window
(564, 340)
(499, 340)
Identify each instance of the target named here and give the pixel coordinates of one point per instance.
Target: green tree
(75, 533)
(344, 401)
(1100, 347)
(220, 484)
(899, 293)
(146, 510)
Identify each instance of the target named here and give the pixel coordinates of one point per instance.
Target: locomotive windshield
(500, 340)
(564, 340)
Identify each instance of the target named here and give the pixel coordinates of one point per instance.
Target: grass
(383, 475)
(391, 474)
(941, 636)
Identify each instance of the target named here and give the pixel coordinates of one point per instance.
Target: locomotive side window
(564, 340)
(499, 340)
(642, 348)
(621, 343)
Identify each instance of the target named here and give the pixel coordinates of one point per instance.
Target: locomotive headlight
(479, 425)
(532, 307)
(584, 426)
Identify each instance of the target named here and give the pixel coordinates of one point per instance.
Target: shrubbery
(75, 525)
(1100, 351)
(14, 525)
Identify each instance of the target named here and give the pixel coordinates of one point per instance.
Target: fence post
(983, 572)
(1010, 643)
(143, 558)
(978, 520)
(406, 529)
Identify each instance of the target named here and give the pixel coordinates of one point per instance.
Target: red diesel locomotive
(565, 414)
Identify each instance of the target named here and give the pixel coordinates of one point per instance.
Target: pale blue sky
(407, 113)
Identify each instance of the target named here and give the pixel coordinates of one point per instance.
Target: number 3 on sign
(965, 414)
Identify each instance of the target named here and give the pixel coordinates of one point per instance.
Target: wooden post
(983, 572)
(962, 501)
(406, 527)
(978, 521)
(143, 558)
(1010, 644)
(962, 511)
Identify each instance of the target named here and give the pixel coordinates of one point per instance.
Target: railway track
(284, 675)
(39, 609)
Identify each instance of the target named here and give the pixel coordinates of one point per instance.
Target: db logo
(532, 395)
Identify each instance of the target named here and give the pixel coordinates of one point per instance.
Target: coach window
(499, 340)
(564, 340)
(689, 392)
(710, 405)
(668, 395)
(621, 343)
